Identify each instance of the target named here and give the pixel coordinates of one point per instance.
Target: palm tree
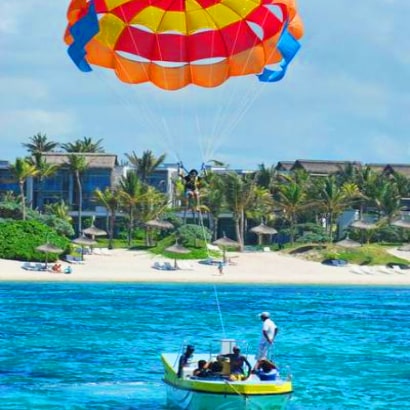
(45, 170)
(213, 198)
(387, 199)
(292, 199)
(266, 177)
(84, 145)
(78, 165)
(110, 199)
(335, 199)
(239, 193)
(152, 205)
(22, 169)
(145, 165)
(40, 143)
(131, 193)
(59, 209)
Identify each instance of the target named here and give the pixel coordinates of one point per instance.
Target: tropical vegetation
(302, 208)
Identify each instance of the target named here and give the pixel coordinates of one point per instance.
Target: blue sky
(346, 95)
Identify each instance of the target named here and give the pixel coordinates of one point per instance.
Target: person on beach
(185, 358)
(269, 332)
(221, 268)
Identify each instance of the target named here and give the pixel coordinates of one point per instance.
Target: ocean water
(97, 346)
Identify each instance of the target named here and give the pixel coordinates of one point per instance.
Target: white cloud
(19, 125)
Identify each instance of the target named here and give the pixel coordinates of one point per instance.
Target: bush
(19, 239)
(193, 235)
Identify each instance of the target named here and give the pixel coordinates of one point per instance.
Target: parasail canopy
(174, 43)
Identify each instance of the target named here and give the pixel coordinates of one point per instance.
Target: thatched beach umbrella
(49, 248)
(156, 223)
(178, 249)
(401, 223)
(263, 229)
(367, 226)
(364, 226)
(94, 231)
(348, 243)
(225, 242)
(84, 241)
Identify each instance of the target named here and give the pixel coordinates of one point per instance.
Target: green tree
(110, 199)
(60, 210)
(39, 143)
(78, 165)
(334, 199)
(146, 164)
(85, 145)
(266, 177)
(44, 170)
(131, 193)
(212, 196)
(292, 200)
(22, 170)
(239, 194)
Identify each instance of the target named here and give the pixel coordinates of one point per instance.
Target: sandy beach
(253, 267)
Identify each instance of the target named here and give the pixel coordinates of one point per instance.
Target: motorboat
(220, 391)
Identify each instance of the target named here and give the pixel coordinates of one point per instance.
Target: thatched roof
(94, 160)
(401, 223)
(177, 248)
(263, 229)
(284, 165)
(388, 169)
(225, 241)
(364, 225)
(319, 168)
(348, 243)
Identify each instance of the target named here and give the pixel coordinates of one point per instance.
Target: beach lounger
(168, 266)
(158, 265)
(73, 259)
(28, 266)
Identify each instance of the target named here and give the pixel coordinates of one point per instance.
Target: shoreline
(259, 268)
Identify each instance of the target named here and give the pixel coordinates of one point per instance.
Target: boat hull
(192, 400)
(192, 393)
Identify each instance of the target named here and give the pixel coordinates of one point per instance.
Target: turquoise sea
(97, 346)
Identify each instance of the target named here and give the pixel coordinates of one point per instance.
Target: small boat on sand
(222, 390)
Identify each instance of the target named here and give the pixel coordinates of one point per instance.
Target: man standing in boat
(269, 332)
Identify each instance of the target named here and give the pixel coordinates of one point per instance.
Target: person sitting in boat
(215, 368)
(185, 358)
(237, 362)
(266, 370)
(202, 370)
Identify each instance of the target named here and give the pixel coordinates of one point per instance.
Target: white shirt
(269, 327)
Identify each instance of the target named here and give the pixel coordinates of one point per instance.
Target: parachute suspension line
(218, 304)
(225, 108)
(248, 101)
(150, 125)
(219, 311)
(160, 128)
(241, 102)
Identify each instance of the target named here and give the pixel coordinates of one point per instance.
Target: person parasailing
(193, 181)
